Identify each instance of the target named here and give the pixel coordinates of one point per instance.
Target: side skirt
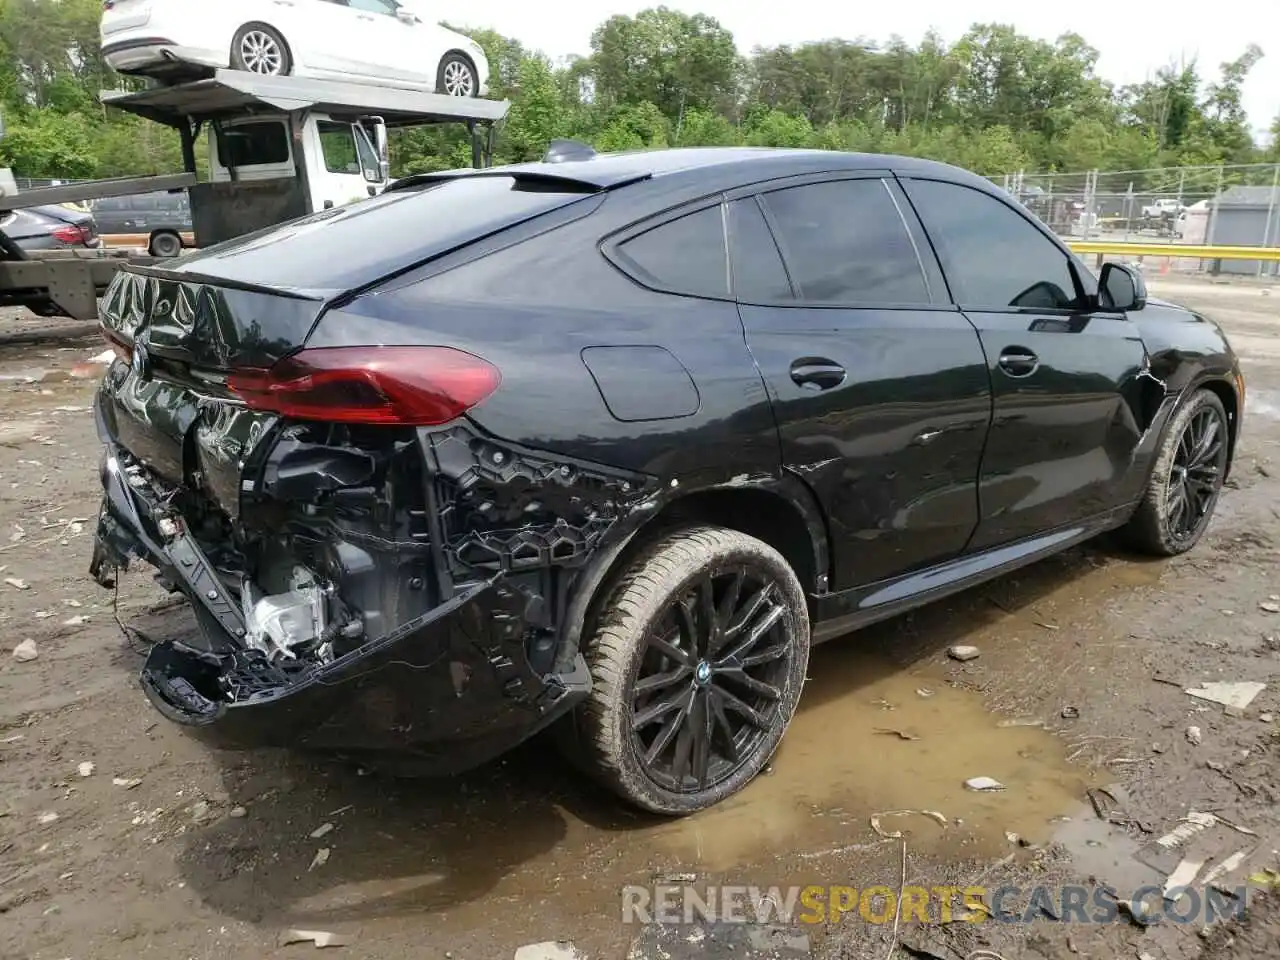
(839, 613)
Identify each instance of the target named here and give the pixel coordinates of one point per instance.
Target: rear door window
(685, 256)
(845, 242)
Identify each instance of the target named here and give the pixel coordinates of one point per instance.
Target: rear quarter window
(686, 256)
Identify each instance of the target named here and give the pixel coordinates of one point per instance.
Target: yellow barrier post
(1191, 251)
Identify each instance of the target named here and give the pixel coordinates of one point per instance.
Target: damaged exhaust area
(394, 593)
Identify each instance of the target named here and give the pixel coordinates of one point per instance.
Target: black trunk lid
(186, 320)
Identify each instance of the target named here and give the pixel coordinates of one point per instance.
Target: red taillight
(410, 386)
(70, 234)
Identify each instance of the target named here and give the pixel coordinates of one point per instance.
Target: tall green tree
(675, 61)
(1166, 107)
(1225, 120)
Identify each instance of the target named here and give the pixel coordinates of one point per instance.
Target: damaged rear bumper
(441, 693)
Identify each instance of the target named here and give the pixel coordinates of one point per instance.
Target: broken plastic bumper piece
(439, 694)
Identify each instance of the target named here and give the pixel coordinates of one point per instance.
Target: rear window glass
(350, 246)
(252, 144)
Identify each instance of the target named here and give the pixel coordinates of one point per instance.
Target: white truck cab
(341, 160)
(284, 147)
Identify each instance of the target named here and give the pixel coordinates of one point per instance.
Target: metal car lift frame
(68, 282)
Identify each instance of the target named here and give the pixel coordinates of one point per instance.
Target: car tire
(457, 76)
(165, 244)
(703, 638)
(1186, 479)
(258, 48)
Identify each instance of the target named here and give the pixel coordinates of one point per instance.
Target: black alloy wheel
(1196, 477)
(1191, 465)
(698, 655)
(711, 680)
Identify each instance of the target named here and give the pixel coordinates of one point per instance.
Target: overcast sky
(1135, 39)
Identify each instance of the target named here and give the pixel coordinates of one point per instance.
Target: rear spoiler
(531, 179)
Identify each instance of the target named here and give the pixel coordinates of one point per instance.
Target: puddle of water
(1105, 852)
(809, 818)
(835, 770)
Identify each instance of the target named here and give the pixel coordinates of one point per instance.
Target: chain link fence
(1235, 205)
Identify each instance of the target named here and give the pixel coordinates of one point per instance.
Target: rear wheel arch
(782, 514)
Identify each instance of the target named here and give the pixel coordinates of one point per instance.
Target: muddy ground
(168, 850)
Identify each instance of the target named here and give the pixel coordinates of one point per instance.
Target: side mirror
(380, 144)
(1121, 287)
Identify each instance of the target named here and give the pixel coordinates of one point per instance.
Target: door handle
(1018, 362)
(817, 373)
(365, 17)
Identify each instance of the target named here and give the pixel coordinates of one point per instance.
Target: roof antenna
(562, 151)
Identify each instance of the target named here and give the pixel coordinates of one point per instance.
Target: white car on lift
(381, 41)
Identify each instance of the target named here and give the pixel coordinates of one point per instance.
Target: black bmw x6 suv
(608, 443)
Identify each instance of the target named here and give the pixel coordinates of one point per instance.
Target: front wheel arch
(1148, 528)
(1231, 403)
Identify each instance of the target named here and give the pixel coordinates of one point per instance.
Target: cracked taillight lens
(403, 386)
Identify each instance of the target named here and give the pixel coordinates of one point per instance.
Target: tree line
(995, 101)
